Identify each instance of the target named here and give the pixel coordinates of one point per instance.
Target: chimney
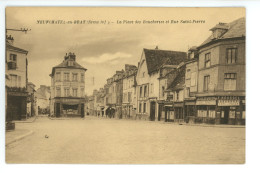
(71, 56)
(10, 39)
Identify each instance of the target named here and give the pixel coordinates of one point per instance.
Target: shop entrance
(224, 115)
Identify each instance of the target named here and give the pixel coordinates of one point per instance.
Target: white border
(252, 93)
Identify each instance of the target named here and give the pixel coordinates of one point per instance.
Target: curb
(19, 138)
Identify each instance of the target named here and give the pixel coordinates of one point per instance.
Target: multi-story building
(16, 81)
(221, 75)
(147, 79)
(31, 100)
(129, 92)
(68, 88)
(191, 83)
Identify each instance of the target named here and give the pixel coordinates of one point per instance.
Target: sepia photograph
(125, 85)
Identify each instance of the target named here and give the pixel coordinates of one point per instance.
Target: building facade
(16, 81)
(43, 99)
(68, 88)
(147, 79)
(129, 92)
(221, 75)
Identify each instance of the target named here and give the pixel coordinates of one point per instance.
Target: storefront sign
(206, 101)
(228, 103)
(190, 103)
(23, 94)
(178, 104)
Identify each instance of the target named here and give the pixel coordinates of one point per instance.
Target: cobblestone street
(101, 140)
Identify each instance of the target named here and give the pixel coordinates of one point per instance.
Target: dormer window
(70, 63)
(219, 30)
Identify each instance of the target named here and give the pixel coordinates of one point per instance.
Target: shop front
(169, 111)
(190, 110)
(69, 107)
(231, 110)
(206, 110)
(179, 112)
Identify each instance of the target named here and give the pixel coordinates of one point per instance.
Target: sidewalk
(16, 135)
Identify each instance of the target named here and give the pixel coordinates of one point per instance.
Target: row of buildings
(22, 100)
(204, 85)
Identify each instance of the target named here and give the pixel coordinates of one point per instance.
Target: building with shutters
(16, 81)
(68, 88)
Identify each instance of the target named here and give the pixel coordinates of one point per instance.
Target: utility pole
(21, 30)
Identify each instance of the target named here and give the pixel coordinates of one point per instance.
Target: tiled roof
(179, 81)
(155, 58)
(236, 28)
(11, 47)
(64, 64)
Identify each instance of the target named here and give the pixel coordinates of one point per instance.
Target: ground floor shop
(110, 111)
(221, 110)
(128, 111)
(68, 107)
(16, 105)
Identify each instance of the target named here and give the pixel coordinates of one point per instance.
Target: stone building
(129, 92)
(68, 88)
(221, 75)
(147, 79)
(16, 81)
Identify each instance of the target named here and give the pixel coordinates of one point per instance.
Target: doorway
(152, 111)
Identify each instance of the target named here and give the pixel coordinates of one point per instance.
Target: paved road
(99, 140)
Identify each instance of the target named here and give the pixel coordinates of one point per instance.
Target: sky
(104, 48)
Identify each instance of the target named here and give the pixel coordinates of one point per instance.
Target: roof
(155, 58)
(11, 47)
(179, 81)
(235, 29)
(64, 64)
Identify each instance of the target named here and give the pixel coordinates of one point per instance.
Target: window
(230, 81)
(13, 57)
(206, 83)
(82, 92)
(74, 77)
(70, 63)
(188, 74)
(129, 97)
(66, 92)
(193, 81)
(82, 77)
(177, 96)
(163, 89)
(57, 76)
(58, 92)
(151, 88)
(75, 92)
(140, 107)
(144, 110)
(141, 91)
(231, 55)
(207, 60)
(66, 76)
(125, 97)
(13, 80)
(145, 91)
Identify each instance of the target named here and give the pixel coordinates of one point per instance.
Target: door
(160, 112)
(152, 111)
(82, 111)
(57, 109)
(224, 118)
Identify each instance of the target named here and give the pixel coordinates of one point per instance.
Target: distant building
(129, 92)
(68, 88)
(148, 73)
(31, 100)
(16, 81)
(43, 99)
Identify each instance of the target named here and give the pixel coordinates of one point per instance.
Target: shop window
(207, 60)
(202, 111)
(230, 81)
(232, 114)
(231, 56)
(206, 83)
